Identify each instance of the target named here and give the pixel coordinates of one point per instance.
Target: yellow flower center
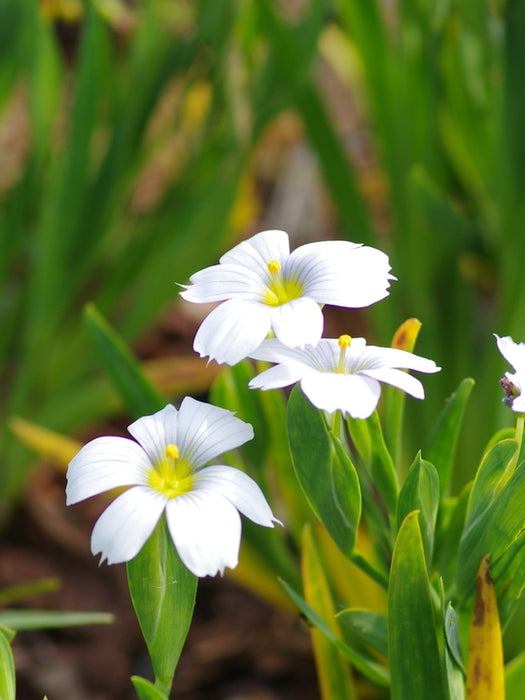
(173, 475)
(344, 341)
(280, 290)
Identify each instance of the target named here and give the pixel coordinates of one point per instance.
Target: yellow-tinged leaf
(256, 577)
(46, 443)
(335, 679)
(406, 335)
(351, 584)
(485, 672)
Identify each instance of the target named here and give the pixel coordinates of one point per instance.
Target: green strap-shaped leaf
(335, 679)
(370, 669)
(495, 516)
(324, 470)
(146, 690)
(415, 659)
(51, 619)
(139, 396)
(515, 677)
(163, 594)
(7, 666)
(364, 627)
(420, 492)
(441, 446)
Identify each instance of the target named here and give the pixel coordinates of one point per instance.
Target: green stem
(362, 562)
(336, 424)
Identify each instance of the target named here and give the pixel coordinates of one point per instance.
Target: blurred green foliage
(133, 126)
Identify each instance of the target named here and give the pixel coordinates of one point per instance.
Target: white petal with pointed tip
(206, 531)
(398, 378)
(277, 377)
(206, 431)
(513, 352)
(221, 282)
(240, 490)
(126, 524)
(257, 251)
(232, 331)
(105, 463)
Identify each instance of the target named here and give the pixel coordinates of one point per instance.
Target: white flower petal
(350, 393)
(513, 352)
(398, 378)
(206, 431)
(373, 356)
(124, 527)
(298, 322)
(156, 431)
(232, 331)
(206, 531)
(257, 251)
(277, 377)
(105, 463)
(221, 282)
(342, 273)
(240, 490)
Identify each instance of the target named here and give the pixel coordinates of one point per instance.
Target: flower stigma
(281, 290)
(344, 341)
(173, 475)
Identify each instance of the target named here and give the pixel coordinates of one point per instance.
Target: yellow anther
(172, 452)
(344, 341)
(274, 266)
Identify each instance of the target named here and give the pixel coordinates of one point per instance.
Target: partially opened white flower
(165, 470)
(265, 288)
(341, 374)
(513, 384)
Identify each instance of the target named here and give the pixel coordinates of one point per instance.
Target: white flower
(513, 384)
(266, 288)
(165, 470)
(341, 374)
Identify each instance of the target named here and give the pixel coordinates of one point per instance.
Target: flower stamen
(344, 341)
(173, 475)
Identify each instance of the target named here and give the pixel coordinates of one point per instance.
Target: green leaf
(50, 619)
(364, 627)
(163, 594)
(515, 677)
(335, 679)
(420, 492)
(371, 669)
(452, 635)
(7, 668)
(441, 446)
(415, 659)
(140, 397)
(146, 690)
(495, 514)
(324, 470)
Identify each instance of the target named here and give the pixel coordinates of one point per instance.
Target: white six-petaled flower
(513, 384)
(265, 288)
(165, 470)
(341, 374)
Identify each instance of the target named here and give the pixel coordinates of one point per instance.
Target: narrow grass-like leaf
(335, 679)
(420, 492)
(366, 627)
(138, 394)
(485, 674)
(441, 445)
(515, 677)
(50, 619)
(414, 654)
(59, 449)
(146, 690)
(372, 670)
(325, 472)
(7, 667)
(163, 594)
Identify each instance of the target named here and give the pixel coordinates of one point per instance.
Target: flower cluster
(271, 310)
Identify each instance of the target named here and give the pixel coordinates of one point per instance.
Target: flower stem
(336, 424)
